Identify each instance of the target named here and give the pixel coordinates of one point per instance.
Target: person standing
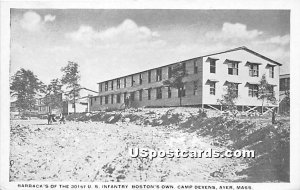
(126, 102)
(49, 118)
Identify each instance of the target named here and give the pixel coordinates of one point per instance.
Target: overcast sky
(111, 43)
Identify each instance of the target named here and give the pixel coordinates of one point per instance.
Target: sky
(109, 43)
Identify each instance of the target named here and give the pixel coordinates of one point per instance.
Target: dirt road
(95, 151)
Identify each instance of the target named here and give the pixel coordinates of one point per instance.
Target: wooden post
(274, 116)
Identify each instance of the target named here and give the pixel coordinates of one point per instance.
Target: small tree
(265, 92)
(53, 97)
(25, 86)
(176, 80)
(228, 101)
(71, 79)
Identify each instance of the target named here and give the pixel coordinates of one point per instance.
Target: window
(106, 86)
(149, 94)
(169, 92)
(195, 67)
(233, 68)
(149, 76)
(195, 87)
(253, 70)
(118, 98)
(271, 71)
(125, 82)
(212, 88)
(253, 90)
(95, 99)
(91, 102)
(158, 93)
(158, 74)
(212, 65)
(112, 99)
(100, 87)
(106, 99)
(235, 88)
(140, 95)
(141, 78)
(112, 85)
(181, 91)
(132, 80)
(132, 96)
(100, 100)
(169, 72)
(118, 84)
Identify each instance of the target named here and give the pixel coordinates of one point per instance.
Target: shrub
(74, 116)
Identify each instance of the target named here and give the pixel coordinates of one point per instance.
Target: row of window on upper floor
(233, 69)
(158, 78)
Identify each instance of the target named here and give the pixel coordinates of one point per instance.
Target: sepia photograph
(139, 95)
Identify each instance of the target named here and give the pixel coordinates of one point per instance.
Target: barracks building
(205, 82)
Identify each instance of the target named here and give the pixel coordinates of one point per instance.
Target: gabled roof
(82, 88)
(261, 56)
(241, 48)
(227, 51)
(71, 91)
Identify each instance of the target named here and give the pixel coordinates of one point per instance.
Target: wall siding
(243, 77)
(189, 99)
(202, 76)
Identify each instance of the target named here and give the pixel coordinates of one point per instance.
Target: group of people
(51, 118)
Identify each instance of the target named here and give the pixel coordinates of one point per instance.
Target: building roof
(227, 51)
(212, 80)
(69, 92)
(82, 88)
(255, 83)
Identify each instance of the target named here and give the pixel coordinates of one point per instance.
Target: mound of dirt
(270, 142)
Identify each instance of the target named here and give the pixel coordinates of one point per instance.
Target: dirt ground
(97, 151)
